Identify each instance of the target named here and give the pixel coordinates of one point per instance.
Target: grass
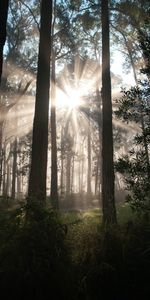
(73, 256)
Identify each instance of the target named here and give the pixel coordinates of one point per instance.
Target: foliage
(44, 255)
(134, 106)
(135, 166)
(33, 253)
(134, 169)
(145, 46)
(110, 262)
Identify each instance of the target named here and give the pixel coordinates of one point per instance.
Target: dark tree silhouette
(3, 21)
(108, 202)
(38, 172)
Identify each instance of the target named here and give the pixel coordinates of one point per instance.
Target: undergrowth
(71, 256)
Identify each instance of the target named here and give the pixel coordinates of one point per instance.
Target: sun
(74, 99)
(70, 99)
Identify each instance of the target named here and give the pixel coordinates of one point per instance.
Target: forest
(75, 149)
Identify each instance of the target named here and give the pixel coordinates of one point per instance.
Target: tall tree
(3, 21)
(54, 184)
(38, 172)
(108, 201)
(89, 160)
(54, 177)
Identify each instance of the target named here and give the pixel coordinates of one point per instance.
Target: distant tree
(132, 19)
(3, 21)
(20, 58)
(38, 172)
(108, 201)
(14, 169)
(4, 110)
(89, 160)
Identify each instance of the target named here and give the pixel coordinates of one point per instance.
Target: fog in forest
(75, 149)
(78, 136)
(76, 94)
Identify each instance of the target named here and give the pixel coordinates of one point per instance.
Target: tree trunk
(7, 185)
(108, 201)
(14, 170)
(89, 160)
(1, 157)
(97, 174)
(3, 22)
(82, 173)
(4, 172)
(38, 171)
(68, 173)
(72, 175)
(145, 141)
(79, 175)
(62, 166)
(99, 161)
(1, 151)
(54, 179)
(19, 193)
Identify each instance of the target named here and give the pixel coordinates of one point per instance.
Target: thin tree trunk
(82, 172)
(7, 186)
(68, 174)
(4, 109)
(54, 179)
(89, 162)
(19, 194)
(62, 177)
(129, 53)
(38, 171)
(1, 151)
(14, 170)
(99, 167)
(145, 142)
(72, 175)
(97, 174)
(108, 201)
(62, 166)
(4, 172)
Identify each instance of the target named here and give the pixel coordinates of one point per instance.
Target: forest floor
(71, 256)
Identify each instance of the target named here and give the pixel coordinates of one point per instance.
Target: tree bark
(54, 176)
(72, 174)
(38, 171)
(14, 170)
(89, 160)
(62, 166)
(108, 201)
(3, 22)
(4, 173)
